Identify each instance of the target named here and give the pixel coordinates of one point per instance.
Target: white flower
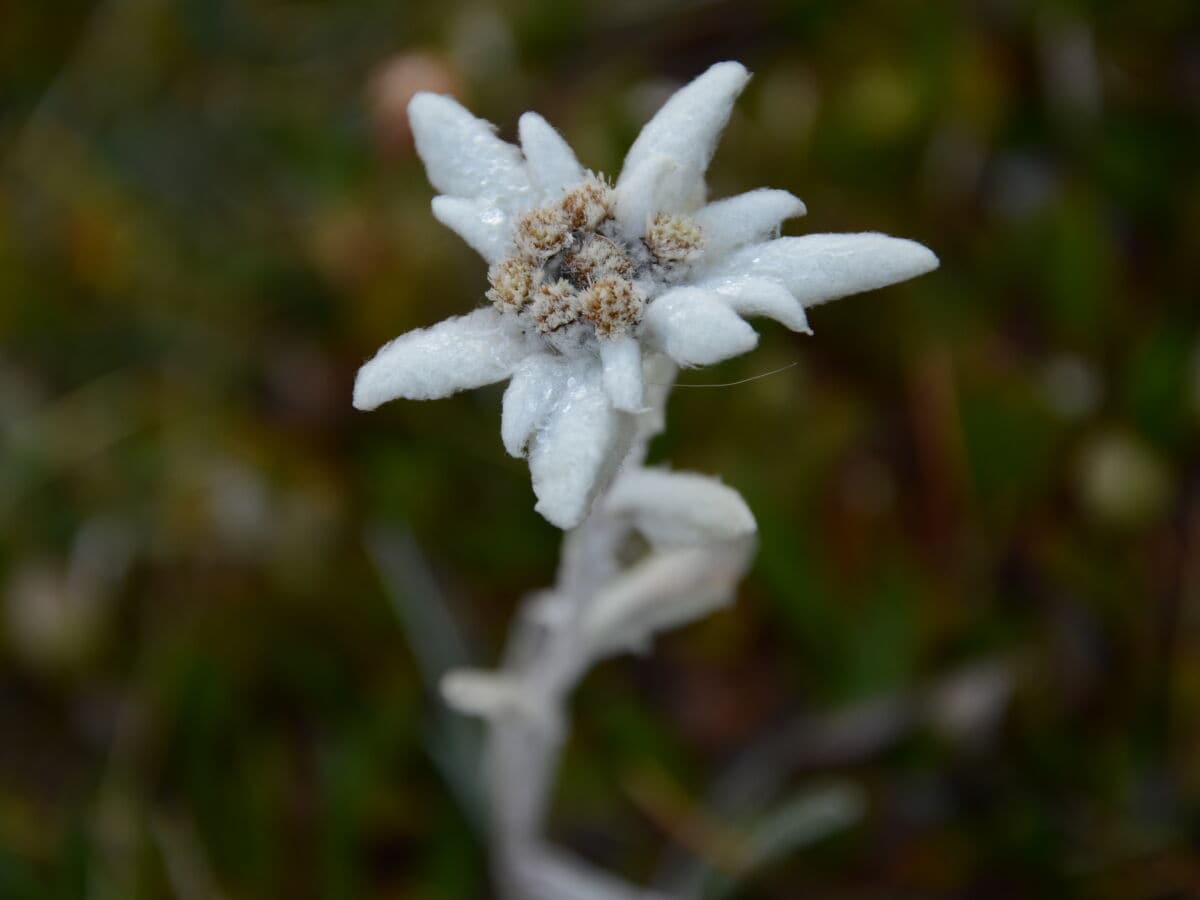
(589, 280)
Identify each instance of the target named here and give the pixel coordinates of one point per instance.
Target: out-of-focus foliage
(224, 595)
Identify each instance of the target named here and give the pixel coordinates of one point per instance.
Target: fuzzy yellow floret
(588, 205)
(599, 258)
(554, 306)
(674, 239)
(612, 305)
(543, 232)
(512, 284)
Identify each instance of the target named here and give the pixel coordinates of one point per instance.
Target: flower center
(574, 271)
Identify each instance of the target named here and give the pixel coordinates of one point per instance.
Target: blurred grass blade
(801, 821)
(437, 644)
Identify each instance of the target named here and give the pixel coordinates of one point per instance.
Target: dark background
(965, 663)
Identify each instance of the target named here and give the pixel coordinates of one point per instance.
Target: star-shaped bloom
(592, 284)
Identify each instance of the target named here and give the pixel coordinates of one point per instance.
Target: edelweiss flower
(591, 281)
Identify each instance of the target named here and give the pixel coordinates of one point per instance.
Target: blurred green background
(965, 663)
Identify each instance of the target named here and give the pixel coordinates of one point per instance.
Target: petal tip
(425, 104)
(913, 258)
(729, 70)
(364, 398)
(531, 121)
(431, 103)
(798, 323)
(928, 260)
(558, 515)
(531, 127)
(549, 160)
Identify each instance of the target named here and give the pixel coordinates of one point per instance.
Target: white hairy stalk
(598, 606)
(598, 292)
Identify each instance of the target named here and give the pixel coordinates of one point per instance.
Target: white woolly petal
(529, 398)
(750, 217)
(482, 224)
(760, 297)
(820, 267)
(621, 359)
(460, 353)
(644, 193)
(659, 372)
(680, 508)
(578, 450)
(688, 126)
(463, 157)
(549, 159)
(666, 590)
(695, 328)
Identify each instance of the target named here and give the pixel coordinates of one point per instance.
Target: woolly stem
(598, 606)
(547, 655)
